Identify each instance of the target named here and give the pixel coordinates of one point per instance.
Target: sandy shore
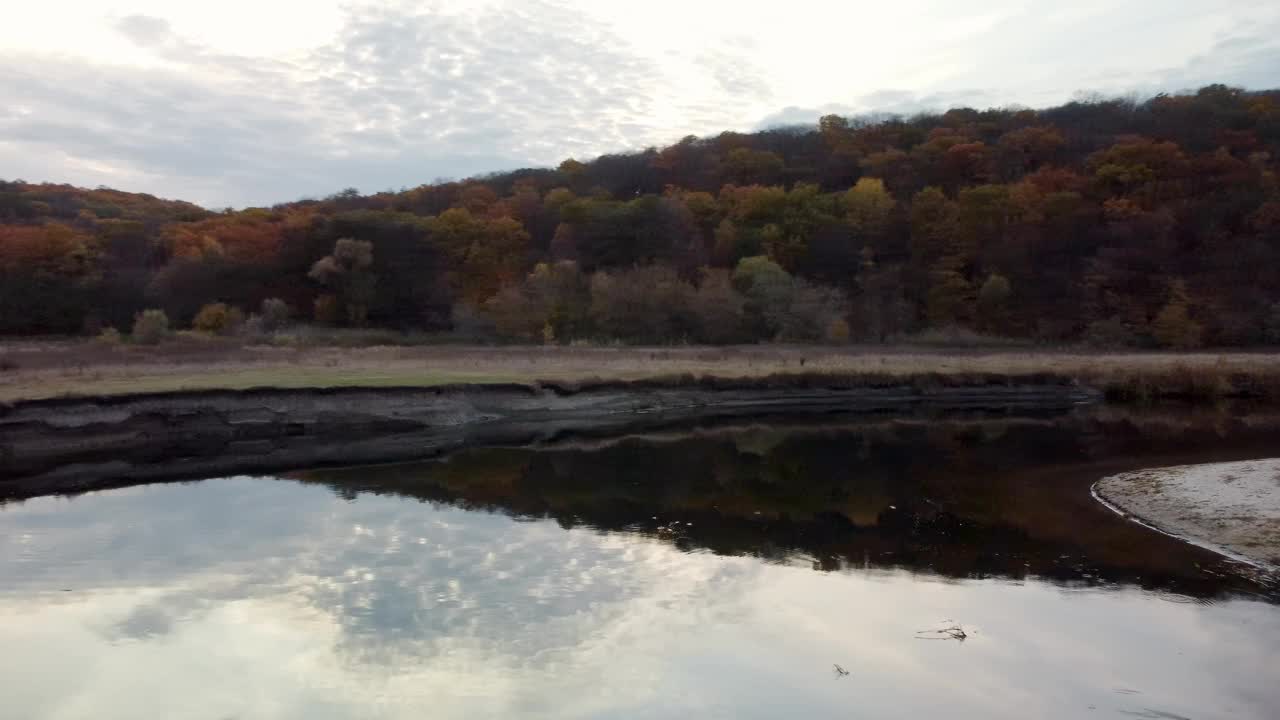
(1231, 508)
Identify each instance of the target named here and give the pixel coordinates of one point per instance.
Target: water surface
(713, 574)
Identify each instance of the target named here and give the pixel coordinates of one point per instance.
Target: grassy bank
(44, 369)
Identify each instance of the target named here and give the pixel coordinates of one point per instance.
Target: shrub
(1111, 332)
(274, 314)
(718, 310)
(649, 304)
(109, 336)
(1173, 326)
(955, 336)
(809, 312)
(253, 328)
(150, 327)
(838, 332)
(554, 295)
(993, 302)
(218, 319)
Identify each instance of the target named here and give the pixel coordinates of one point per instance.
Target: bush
(955, 336)
(838, 332)
(109, 336)
(150, 327)
(274, 314)
(253, 329)
(993, 303)
(554, 295)
(1173, 326)
(649, 304)
(719, 310)
(218, 319)
(1112, 333)
(809, 313)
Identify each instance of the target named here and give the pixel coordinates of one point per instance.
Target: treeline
(1107, 221)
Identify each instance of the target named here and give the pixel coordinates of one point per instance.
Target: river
(888, 567)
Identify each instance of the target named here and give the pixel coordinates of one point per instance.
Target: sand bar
(1231, 508)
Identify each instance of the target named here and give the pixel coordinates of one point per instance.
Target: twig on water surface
(955, 632)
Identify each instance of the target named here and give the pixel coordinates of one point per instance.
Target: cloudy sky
(250, 102)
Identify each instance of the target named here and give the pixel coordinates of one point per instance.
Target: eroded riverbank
(80, 443)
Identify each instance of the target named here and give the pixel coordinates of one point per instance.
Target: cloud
(143, 29)
(1248, 58)
(892, 102)
(398, 98)
(226, 108)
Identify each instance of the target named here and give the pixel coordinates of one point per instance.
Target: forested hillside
(1151, 224)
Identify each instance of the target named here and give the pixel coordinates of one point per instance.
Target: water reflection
(397, 592)
(961, 498)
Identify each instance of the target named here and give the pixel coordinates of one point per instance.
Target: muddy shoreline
(74, 444)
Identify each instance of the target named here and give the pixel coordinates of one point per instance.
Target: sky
(252, 102)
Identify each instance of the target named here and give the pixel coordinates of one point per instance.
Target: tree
(781, 307)
(744, 165)
(993, 303)
(881, 309)
(868, 206)
(950, 297)
(934, 220)
(1026, 149)
(554, 297)
(48, 275)
(348, 271)
(650, 304)
(1173, 327)
(1084, 210)
(719, 311)
(781, 247)
(724, 252)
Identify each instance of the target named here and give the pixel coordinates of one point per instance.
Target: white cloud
(244, 102)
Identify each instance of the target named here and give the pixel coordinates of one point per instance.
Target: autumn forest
(1109, 222)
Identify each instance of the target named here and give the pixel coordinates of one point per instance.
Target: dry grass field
(44, 369)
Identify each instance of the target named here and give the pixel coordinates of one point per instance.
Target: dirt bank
(1232, 508)
(49, 446)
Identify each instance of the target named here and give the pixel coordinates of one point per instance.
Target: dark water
(721, 574)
